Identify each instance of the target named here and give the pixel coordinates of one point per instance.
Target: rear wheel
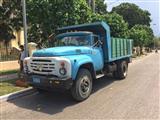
(122, 70)
(82, 87)
(40, 90)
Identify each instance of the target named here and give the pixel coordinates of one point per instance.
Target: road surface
(136, 97)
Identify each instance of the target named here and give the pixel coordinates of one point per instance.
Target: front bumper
(48, 82)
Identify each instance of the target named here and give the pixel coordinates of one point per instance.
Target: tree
(100, 7)
(150, 35)
(133, 14)
(156, 42)
(10, 20)
(119, 28)
(97, 17)
(142, 35)
(45, 16)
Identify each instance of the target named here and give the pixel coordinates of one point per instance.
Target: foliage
(119, 28)
(97, 17)
(142, 35)
(133, 14)
(45, 16)
(139, 23)
(100, 7)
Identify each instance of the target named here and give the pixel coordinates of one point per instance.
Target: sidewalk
(9, 65)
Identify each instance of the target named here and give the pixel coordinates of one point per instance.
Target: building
(13, 45)
(12, 48)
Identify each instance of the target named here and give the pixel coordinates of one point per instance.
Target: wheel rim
(124, 70)
(84, 86)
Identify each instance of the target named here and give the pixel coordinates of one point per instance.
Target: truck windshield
(73, 41)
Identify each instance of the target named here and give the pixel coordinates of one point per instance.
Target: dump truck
(82, 54)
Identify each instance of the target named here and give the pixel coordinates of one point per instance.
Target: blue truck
(82, 53)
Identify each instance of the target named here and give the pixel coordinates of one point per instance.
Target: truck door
(97, 54)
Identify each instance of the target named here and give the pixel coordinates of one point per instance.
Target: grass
(8, 72)
(8, 86)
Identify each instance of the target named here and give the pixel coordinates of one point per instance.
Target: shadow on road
(55, 102)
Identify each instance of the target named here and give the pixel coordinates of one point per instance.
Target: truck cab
(82, 46)
(81, 54)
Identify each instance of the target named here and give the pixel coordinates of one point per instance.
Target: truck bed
(120, 48)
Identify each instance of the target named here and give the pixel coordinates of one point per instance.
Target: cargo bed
(120, 48)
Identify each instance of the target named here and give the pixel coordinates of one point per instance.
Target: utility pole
(91, 3)
(25, 28)
(93, 6)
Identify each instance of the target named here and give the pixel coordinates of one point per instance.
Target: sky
(153, 6)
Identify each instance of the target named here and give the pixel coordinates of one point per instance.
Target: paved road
(136, 97)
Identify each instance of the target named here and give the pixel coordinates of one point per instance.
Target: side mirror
(98, 43)
(51, 37)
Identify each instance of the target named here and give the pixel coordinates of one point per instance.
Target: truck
(82, 54)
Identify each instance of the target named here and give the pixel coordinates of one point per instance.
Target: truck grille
(42, 66)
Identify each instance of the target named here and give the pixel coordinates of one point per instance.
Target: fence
(13, 54)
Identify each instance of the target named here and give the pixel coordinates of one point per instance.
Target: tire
(122, 70)
(82, 86)
(41, 91)
(115, 74)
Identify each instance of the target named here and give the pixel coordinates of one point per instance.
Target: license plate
(36, 80)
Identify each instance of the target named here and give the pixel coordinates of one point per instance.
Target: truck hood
(62, 51)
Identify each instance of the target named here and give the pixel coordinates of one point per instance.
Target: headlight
(25, 65)
(62, 71)
(63, 68)
(25, 62)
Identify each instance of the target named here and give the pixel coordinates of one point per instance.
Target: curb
(15, 95)
(8, 77)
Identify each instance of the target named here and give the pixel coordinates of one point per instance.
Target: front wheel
(82, 86)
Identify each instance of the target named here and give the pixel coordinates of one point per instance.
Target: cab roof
(96, 28)
(74, 33)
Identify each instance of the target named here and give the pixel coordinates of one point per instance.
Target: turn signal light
(25, 62)
(62, 64)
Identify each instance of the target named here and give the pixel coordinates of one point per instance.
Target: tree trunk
(141, 50)
(18, 37)
(6, 45)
